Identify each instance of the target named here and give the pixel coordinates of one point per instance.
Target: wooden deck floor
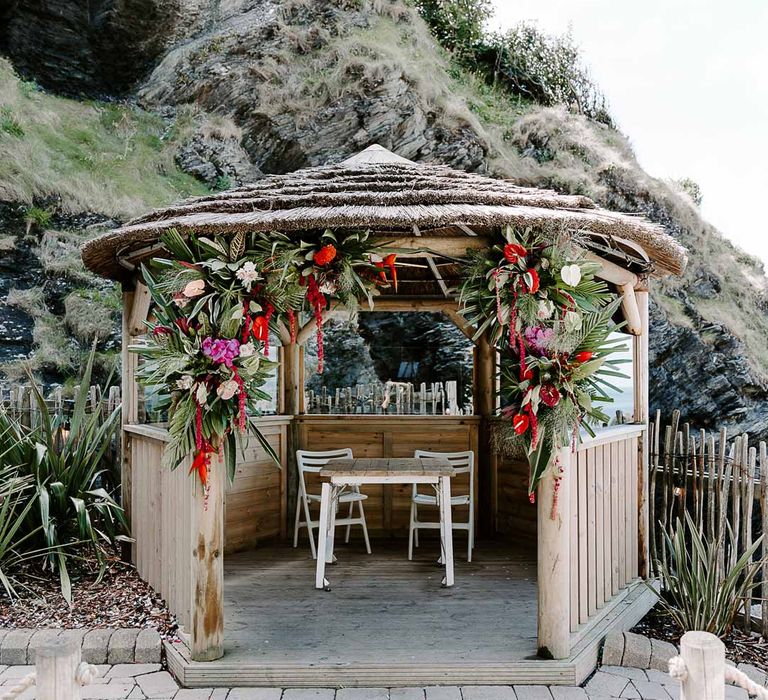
(387, 621)
(381, 607)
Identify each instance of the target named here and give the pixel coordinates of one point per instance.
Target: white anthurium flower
(247, 349)
(201, 394)
(328, 287)
(185, 383)
(571, 274)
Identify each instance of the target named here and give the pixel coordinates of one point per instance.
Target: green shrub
(9, 124)
(456, 24)
(695, 591)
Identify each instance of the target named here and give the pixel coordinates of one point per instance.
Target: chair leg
(469, 544)
(411, 530)
(365, 528)
(297, 522)
(349, 516)
(309, 528)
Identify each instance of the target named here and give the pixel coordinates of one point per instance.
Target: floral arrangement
(550, 320)
(215, 302)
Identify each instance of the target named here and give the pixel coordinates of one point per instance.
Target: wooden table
(341, 473)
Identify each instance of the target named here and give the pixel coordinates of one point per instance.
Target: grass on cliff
(110, 158)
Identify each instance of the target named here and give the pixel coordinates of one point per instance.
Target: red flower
(261, 329)
(325, 256)
(183, 324)
(549, 395)
(534, 285)
(520, 423)
(528, 374)
(584, 356)
(513, 252)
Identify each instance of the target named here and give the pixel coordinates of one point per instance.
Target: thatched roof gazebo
(591, 558)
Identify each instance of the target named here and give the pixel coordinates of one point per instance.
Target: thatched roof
(381, 191)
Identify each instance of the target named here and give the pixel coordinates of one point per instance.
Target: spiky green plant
(74, 511)
(695, 591)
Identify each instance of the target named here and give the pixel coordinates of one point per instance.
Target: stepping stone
(488, 692)
(107, 691)
(308, 694)
(651, 691)
(362, 694)
(131, 670)
(406, 694)
(532, 692)
(443, 692)
(252, 694)
(606, 684)
(660, 677)
(561, 692)
(631, 692)
(633, 674)
(157, 685)
(194, 694)
(753, 673)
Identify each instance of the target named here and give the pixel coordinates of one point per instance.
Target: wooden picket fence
(18, 400)
(397, 398)
(720, 481)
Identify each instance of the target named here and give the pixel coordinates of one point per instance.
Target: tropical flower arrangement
(215, 301)
(550, 319)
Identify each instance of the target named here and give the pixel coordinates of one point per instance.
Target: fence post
(704, 657)
(56, 666)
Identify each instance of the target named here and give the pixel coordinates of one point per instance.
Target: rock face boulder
(94, 47)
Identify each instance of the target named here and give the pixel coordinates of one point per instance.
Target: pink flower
(538, 339)
(194, 288)
(227, 389)
(221, 350)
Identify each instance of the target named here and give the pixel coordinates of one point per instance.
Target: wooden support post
(704, 657)
(554, 580)
(139, 310)
(207, 567)
(484, 407)
(56, 667)
(129, 415)
(640, 382)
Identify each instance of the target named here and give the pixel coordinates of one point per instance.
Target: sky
(687, 82)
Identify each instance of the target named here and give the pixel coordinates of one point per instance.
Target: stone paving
(140, 681)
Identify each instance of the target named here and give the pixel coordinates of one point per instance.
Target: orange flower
(325, 256)
(389, 261)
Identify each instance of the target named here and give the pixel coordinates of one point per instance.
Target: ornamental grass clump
(696, 591)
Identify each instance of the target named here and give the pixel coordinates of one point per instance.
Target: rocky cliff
(227, 89)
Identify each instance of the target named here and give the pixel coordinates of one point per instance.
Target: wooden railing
(589, 531)
(604, 520)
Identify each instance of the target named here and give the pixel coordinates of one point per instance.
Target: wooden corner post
(554, 581)
(207, 567)
(485, 404)
(640, 379)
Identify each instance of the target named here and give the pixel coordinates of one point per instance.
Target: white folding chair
(463, 463)
(311, 463)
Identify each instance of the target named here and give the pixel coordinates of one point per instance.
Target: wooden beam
(283, 333)
(553, 560)
(207, 567)
(485, 404)
(450, 246)
(438, 277)
(640, 382)
(630, 309)
(394, 303)
(139, 310)
(611, 272)
(461, 323)
(309, 328)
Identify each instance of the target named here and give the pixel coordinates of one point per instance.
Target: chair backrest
(462, 463)
(312, 462)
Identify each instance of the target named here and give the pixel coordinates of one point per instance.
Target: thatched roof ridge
(379, 190)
